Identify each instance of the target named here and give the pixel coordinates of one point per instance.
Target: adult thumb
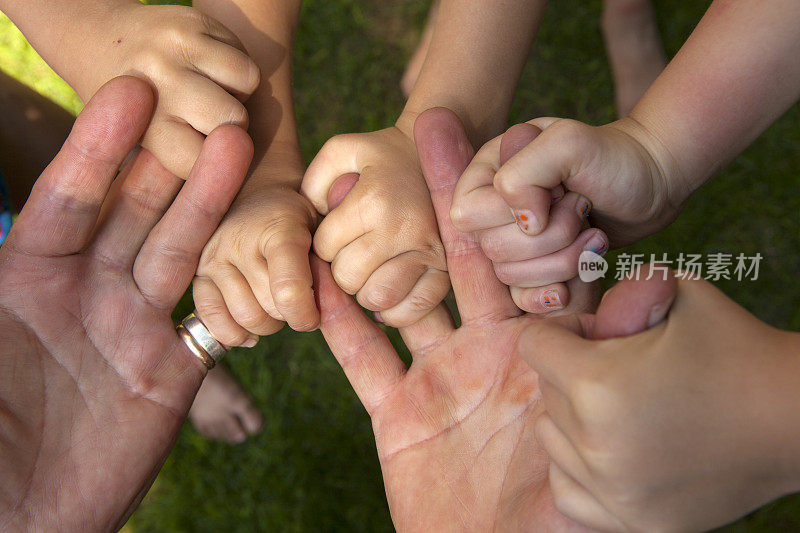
(638, 302)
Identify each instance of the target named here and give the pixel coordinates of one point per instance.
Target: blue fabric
(5, 210)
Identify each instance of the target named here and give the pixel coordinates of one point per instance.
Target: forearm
(474, 63)
(58, 30)
(267, 29)
(734, 76)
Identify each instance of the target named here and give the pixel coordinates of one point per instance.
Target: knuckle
(424, 298)
(153, 63)
(504, 273)
(564, 233)
(347, 277)
(323, 246)
(336, 143)
(570, 134)
(506, 180)
(288, 291)
(494, 248)
(381, 297)
(249, 316)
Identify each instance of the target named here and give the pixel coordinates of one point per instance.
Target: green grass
(314, 467)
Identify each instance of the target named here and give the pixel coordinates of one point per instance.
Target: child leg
(634, 49)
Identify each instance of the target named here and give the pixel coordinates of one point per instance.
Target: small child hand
(529, 193)
(197, 67)
(379, 232)
(254, 273)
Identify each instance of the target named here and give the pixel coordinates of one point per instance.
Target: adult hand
(683, 427)
(454, 432)
(95, 383)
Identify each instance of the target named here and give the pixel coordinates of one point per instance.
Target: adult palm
(454, 432)
(94, 382)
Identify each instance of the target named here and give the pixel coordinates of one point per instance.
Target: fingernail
(525, 219)
(551, 300)
(597, 244)
(658, 312)
(376, 316)
(583, 207)
(249, 343)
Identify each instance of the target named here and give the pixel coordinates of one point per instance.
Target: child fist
(530, 192)
(199, 70)
(379, 232)
(254, 273)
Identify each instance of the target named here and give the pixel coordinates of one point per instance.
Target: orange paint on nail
(523, 217)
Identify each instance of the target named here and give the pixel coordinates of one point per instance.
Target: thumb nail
(659, 312)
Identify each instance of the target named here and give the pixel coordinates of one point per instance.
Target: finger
(356, 262)
(476, 204)
(444, 152)
(209, 106)
(557, 348)
(576, 296)
(634, 305)
(577, 503)
(515, 139)
(508, 244)
(219, 32)
(174, 143)
(169, 257)
(256, 272)
(554, 268)
(367, 357)
(541, 300)
(526, 179)
(138, 199)
(559, 447)
(336, 159)
(339, 228)
(428, 292)
(431, 331)
(242, 303)
(65, 202)
(290, 280)
(340, 189)
(213, 311)
(391, 282)
(227, 66)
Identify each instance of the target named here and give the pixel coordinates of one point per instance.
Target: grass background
(314, 467)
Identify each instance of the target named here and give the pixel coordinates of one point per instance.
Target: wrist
(83, 62)
(670, 189)
(280, 166)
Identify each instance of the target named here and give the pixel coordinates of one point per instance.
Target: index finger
(65, 203)
(444, 153)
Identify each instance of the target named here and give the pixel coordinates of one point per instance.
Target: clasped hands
(98, 383)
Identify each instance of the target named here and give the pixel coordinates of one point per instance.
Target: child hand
(379, 232)
(683, 427)
(254, 273)
(197, 67)
(528, 195)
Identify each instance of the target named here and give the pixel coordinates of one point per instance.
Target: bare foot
(223, 411)
(634, 49)
(414, 66)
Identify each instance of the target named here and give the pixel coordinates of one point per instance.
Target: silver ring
(200, 341)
